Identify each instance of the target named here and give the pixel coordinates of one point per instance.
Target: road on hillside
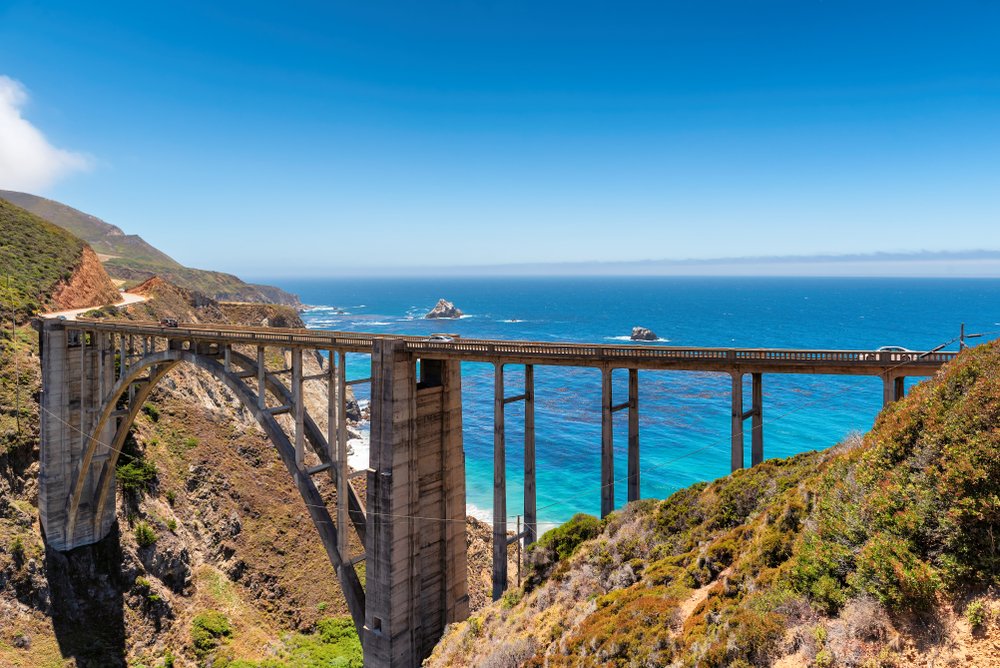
(127, 299)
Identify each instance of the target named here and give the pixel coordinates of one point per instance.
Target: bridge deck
(635, 356)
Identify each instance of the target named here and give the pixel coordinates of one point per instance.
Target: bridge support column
(75, 373)
(415, 542)
(736, 447)
(893, 388)
(607, 446)
(757, 416)
(530, 511)
(499, 485)
(633, 434)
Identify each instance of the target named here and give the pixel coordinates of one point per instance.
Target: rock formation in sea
(643, 334)
(444, 309)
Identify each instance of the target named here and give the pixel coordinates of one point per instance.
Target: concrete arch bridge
(96, 375)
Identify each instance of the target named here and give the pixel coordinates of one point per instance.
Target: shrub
(889, 571)
(823, 659)
(208, 630)
(144, 534)
(17, 549)
(151, 411)
(977, 614)
(136, 477)
(172, 525)
(510, 599)
(565, 538)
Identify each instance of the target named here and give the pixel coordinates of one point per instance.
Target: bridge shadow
(86, 588)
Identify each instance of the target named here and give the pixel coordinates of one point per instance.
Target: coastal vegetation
(35, 257)
(824, 558)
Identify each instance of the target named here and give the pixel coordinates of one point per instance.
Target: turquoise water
(684, 416)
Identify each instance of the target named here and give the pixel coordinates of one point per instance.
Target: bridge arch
(125, 399)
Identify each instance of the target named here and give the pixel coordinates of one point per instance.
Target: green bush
(208, 630)
(136, 477)
(144, 534)
(890, 571)
(172, 525)
(565, 538)
(151, 411)
(977, 614)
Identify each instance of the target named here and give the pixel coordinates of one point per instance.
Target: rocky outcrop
(89, 285)
(444, 309)
(643, 334)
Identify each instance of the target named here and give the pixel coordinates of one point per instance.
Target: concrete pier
(416, 547)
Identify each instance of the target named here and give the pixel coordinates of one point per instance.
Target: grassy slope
(103, 237)
(135, 260)
(822, 558)
(35, 255)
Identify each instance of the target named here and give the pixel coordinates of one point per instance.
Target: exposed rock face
(643, 334)
(88, 286)
(444, 309)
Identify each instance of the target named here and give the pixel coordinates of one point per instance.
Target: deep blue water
(684, 421)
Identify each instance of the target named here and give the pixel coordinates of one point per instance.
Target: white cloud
(27, 160)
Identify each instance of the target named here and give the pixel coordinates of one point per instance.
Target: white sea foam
(360, 452)
(512, 320)
(631, 340)
(473, 510)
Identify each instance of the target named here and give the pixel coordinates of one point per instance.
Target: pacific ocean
(684, 416)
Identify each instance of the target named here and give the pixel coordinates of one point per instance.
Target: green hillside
(129, 258)
(35, 256)
(103, 237)
(855, 556)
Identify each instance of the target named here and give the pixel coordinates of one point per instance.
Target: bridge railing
(484, 349)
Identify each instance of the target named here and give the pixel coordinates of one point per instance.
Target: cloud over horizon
(27, 160)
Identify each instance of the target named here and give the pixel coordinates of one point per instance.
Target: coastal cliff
(89, 285)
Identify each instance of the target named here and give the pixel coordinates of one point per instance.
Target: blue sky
(312, 138)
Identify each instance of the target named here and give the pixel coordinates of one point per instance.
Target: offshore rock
(444, 309)
(643, 334)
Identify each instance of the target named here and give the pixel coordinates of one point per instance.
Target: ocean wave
(512, 320)
(631, 340)
(473, 510)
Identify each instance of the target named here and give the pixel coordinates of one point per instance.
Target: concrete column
(736, 450)
(633, 435)
(261, 378)
(415, 542)
(757, 425)
(530, 500)
(899, 388)
(607, 446)
(71, 382)
(340, 396)
(298, 407)
(888, 389)
(499, 486)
